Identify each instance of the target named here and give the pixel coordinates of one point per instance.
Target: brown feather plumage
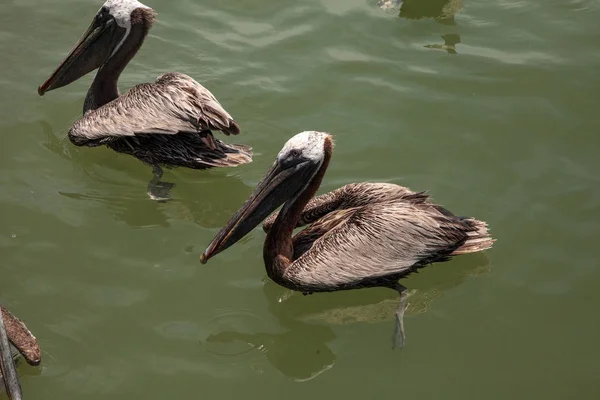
(370, 234)
(174, 103)
(21, 337)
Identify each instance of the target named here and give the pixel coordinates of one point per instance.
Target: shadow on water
(442, 11)
(302, 353)
(23, 369)
(120, 184)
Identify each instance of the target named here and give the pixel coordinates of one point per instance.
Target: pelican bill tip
(203, 258)
(44, 87)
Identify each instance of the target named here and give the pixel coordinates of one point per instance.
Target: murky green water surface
(492, 108)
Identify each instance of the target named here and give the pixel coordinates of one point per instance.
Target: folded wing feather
(174, 103)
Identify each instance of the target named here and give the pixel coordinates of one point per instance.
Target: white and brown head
(307, 145)
(115, 34)
(293, 178)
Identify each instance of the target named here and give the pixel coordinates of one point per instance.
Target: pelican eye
(292, 158)
(102, 13)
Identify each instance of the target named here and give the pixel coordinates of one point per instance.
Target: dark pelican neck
(278, 252)
(104, 88)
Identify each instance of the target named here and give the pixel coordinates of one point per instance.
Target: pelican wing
(304, 240)
(21, 337)
(316, 208)
(348, 196)
(375, 242)
(174, 103)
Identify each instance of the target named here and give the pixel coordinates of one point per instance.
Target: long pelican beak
(7, 365)
(278, 185)
(91, 51)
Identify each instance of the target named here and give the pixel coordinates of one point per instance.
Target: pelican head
(291, 173)
(100, 42)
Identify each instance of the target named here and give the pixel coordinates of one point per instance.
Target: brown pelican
(361, 235)
(165, 123)
(15, 339)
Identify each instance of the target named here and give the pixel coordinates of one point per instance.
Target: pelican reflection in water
(361, 235)
(165, 123)
(442, 11)
(15, 340)
(301, 350)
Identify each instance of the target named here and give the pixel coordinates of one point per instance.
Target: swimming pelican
(360, 235)
(15, 339)
(165, 123)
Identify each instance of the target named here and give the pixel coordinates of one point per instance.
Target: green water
(494, 111)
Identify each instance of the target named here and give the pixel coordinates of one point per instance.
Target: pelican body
(15, 340)
(361, 235)
(165, 123)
